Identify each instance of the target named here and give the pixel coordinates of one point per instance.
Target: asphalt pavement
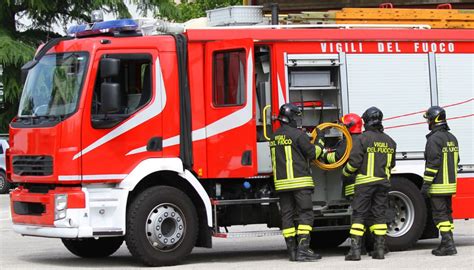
(18, 252)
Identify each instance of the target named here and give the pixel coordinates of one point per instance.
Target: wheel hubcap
(404, 211)
(165, 227)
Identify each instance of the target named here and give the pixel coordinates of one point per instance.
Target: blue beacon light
(82, 30)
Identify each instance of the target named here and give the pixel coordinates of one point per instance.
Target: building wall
(306, 5)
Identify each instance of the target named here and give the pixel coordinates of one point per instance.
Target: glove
(319, 138)
(425, 190)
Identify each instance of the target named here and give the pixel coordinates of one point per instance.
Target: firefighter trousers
(442, 211)
(296, 209)
(370, 204)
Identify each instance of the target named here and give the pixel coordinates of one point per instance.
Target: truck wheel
(162, 226)
(4, 184)
(93, 248)
(329, 239)
(408, 217)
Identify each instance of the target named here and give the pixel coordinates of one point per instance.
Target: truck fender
(152, 165)
(409, 167)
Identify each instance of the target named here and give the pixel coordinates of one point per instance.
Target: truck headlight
(60, 206)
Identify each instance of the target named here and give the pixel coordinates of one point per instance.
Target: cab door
(114, 143)
(230, 111)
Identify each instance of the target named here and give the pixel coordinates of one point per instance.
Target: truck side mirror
(110, 97)
(109, 67)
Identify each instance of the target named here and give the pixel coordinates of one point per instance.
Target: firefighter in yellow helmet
(371, 160)
(291, 151)
(439, 180)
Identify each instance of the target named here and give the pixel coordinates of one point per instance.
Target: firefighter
(442, 157)
(353, 122)
(291, 151)
(371, 160)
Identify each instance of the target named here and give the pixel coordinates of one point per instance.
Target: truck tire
(93, 248)
(330, 239)
(4, 184)
(162, 226)
(408, 216)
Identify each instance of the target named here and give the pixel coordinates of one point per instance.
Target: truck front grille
(33, 165)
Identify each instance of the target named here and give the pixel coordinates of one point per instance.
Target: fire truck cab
(162, 140)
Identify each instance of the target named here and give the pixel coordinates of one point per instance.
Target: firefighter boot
(354, 252)
(303, 252)
(379, 247)
(446, 248)
(291, 247)
(363, 246)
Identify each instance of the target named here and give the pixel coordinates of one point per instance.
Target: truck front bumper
(93, 211)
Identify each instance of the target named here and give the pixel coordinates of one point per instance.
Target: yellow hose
(344, 158)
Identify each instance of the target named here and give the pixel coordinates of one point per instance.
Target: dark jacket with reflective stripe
(372, 158)
(337, 154)
(291, 152)
(442, 157)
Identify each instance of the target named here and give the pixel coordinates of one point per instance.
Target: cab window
(229, 78)
(135, 80)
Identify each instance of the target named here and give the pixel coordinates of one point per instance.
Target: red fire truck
(161, 140)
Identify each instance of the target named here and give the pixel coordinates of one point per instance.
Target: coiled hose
(344, 157)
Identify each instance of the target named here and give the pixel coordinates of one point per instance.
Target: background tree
(194, 9)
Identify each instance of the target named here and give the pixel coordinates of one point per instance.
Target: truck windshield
(52, 87)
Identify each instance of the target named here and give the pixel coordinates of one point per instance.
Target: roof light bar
(83, 30)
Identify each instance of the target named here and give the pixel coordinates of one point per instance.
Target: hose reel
(344, 157)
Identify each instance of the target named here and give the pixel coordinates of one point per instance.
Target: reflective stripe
(380, 232)
(443, 189)
(294, 180)
(358, 226)
(305, 227)
(364, 179)
(379, 229)
(387, 167)
(357, 229)
(345, 173)
(356, 232)
(289, 162)
(428, 178)
(300, 182)
(299, 232)
(444, 226)
(318, 151)
(370, 164)
(456, 160)
(452, 226)
(445, 168)
(331, 157)
(274, 164)
(289, 232)
(443, 223)
(350, 168)
(349, 190)
(431, 170)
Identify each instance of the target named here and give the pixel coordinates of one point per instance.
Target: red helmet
(353, 122)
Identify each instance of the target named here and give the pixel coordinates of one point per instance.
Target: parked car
(4, 184)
